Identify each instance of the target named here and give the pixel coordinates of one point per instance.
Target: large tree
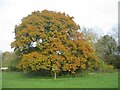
(49, 40)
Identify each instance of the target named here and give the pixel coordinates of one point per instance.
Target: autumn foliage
(50, 40)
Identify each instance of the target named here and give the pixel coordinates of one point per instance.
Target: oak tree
(50, 40)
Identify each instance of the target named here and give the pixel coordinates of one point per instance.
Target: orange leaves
(35, 61)
(62, 47)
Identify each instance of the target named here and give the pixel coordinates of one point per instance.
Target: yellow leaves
(66, 67)
(110, 66)
(83, 66)
(55, 68)
(83, 60)
(70, 68)
(62, 46)
(43, 36)
(89, 63)
(33, 60)
(96, 64)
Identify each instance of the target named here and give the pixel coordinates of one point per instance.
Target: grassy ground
(0, 80)
(99, 80)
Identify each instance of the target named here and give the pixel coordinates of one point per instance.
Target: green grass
(0, 80)
(99, 80)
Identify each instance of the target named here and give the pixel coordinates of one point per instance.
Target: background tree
(49, 40)
(115, 34)
(10, 60)
(106, 46)
(90, 34)
(0, 58)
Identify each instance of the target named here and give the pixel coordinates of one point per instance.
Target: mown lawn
(99, 80)
(0, 80)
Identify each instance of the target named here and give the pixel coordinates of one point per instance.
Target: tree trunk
(55, 75)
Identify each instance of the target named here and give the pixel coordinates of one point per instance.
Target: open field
(99, 80)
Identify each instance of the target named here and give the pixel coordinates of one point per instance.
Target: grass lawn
(99, 80)
(0, 80)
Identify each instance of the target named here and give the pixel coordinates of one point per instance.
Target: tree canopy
(50, 40)
(106, 47)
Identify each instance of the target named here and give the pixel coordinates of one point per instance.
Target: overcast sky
(99, 14)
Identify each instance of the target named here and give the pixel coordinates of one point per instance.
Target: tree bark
(55, 75)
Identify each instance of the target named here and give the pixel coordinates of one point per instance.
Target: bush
(104, 67)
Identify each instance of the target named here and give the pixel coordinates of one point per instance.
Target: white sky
(100, 14)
